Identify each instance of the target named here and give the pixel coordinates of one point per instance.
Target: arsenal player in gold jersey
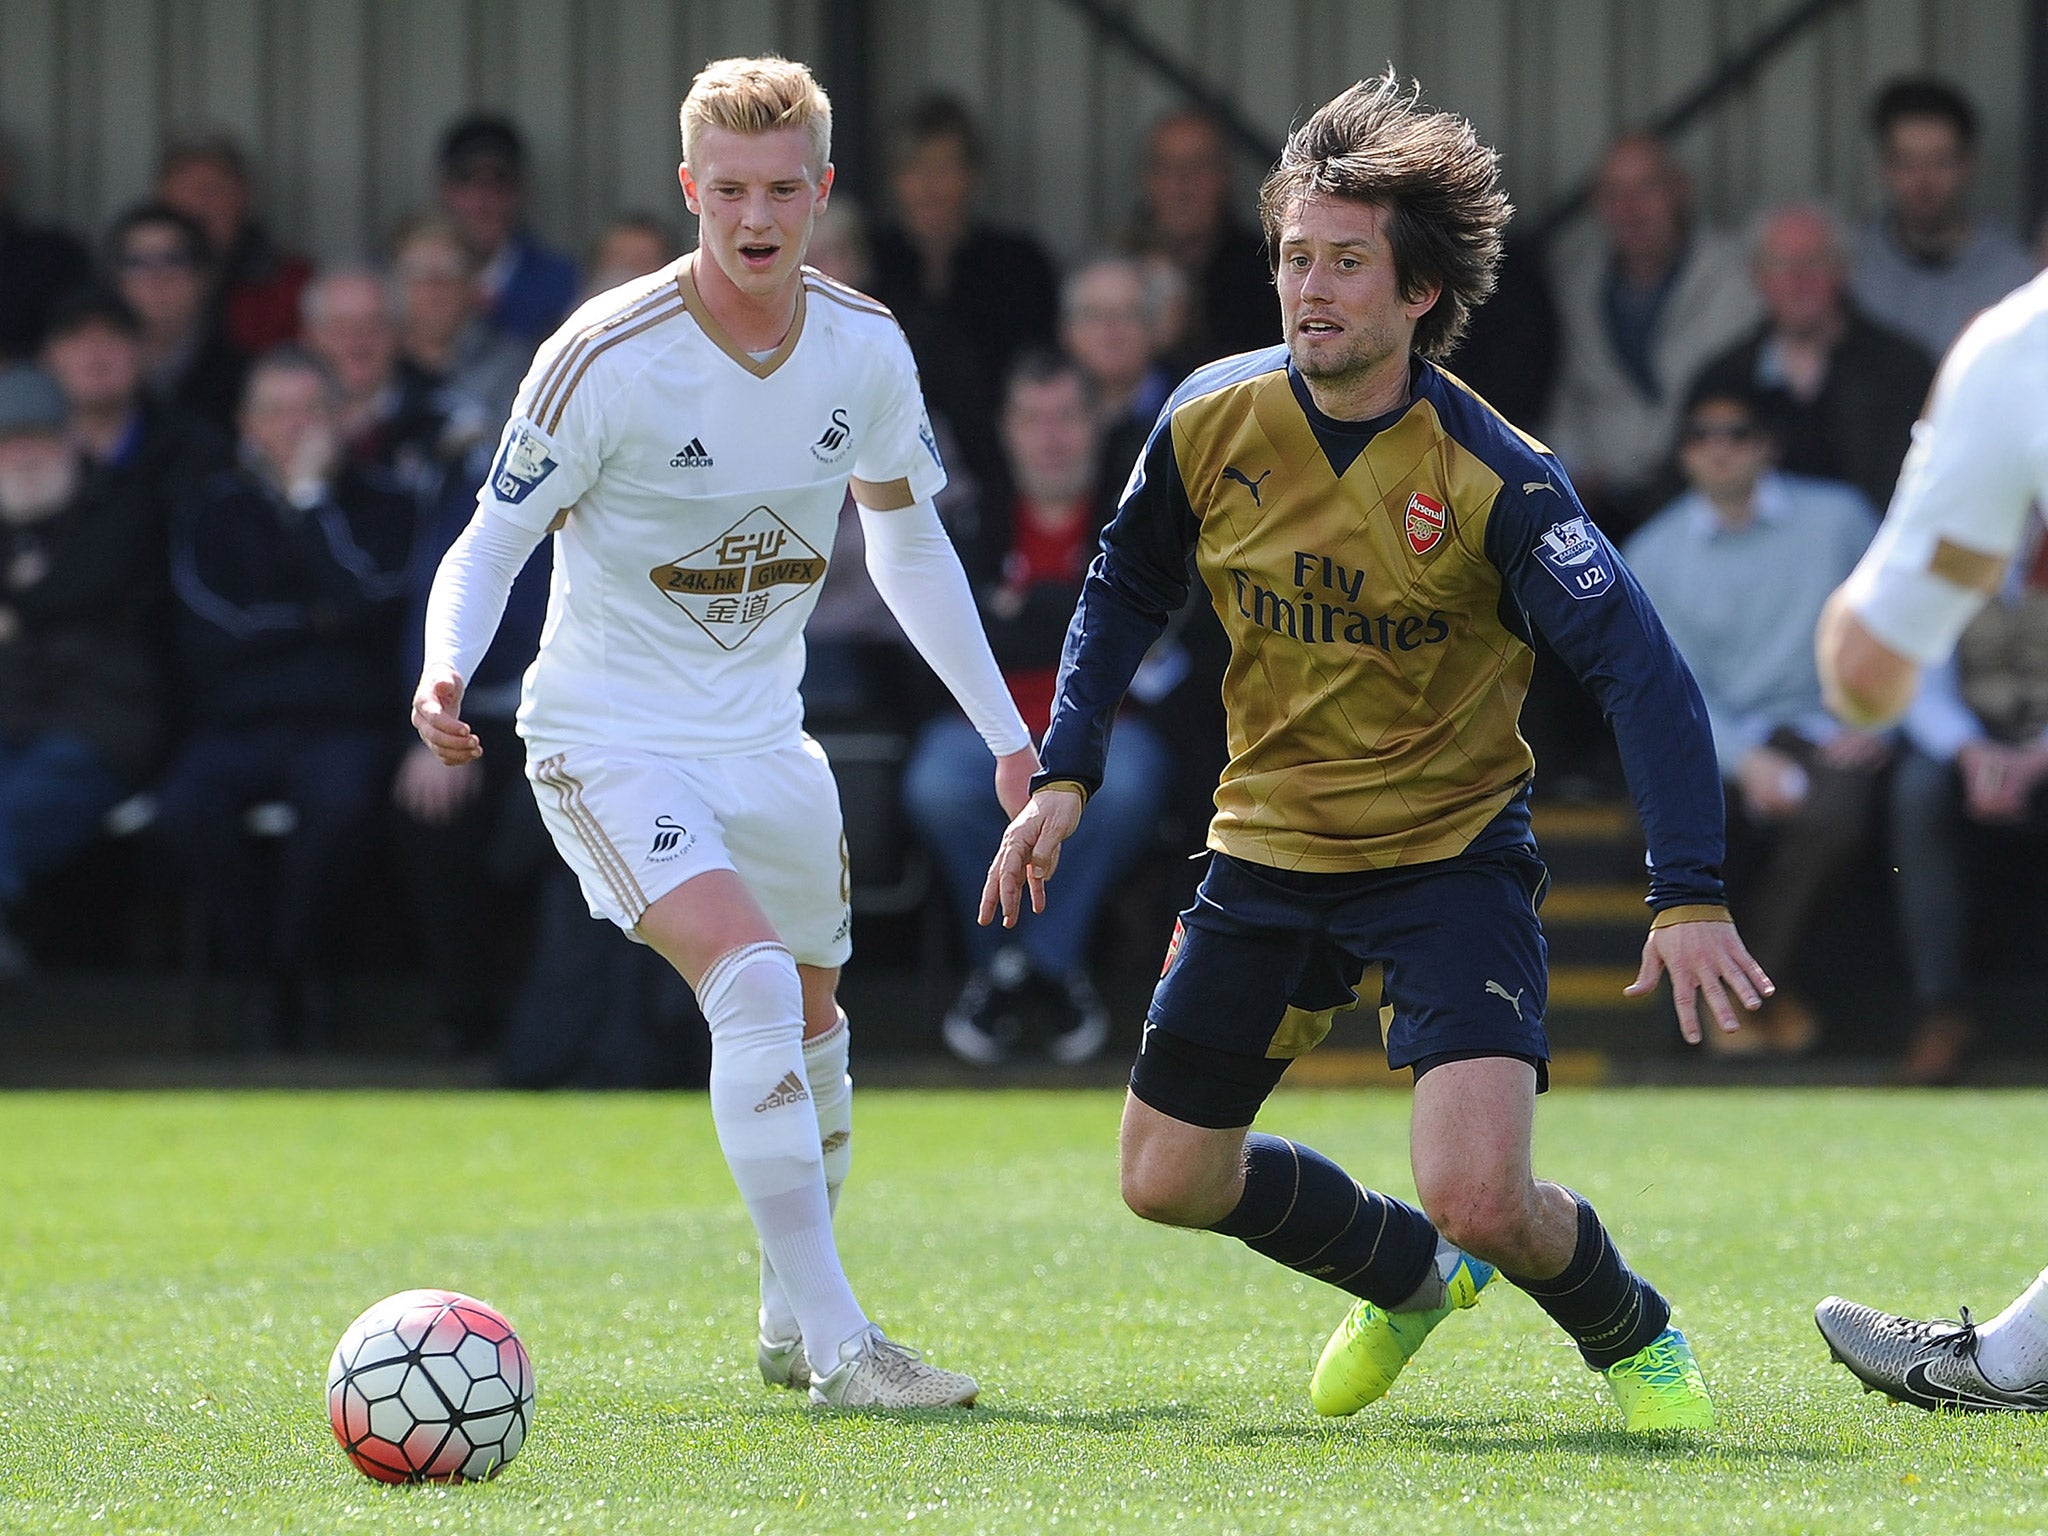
(1382, 548)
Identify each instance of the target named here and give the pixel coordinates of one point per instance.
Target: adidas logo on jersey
(691, 455)
(791, 1090)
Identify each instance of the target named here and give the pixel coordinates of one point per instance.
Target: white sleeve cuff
(918, 574)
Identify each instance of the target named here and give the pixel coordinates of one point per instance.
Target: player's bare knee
(1489, 1219)
(1172, 1193)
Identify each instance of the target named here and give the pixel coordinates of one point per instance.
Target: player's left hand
(1014, 773)
(1701, 957)
(1028, 855)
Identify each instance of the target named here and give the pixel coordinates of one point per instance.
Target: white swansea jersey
(693, 490)
(1979, 461)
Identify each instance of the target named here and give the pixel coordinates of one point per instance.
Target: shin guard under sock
(1302, 1210)
(1610, 1311)
(761, 1104)
(825, 1059)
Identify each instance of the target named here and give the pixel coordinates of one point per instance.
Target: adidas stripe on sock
(767, 1126)
(832, 1099)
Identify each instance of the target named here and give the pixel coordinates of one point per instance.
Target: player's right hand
(1028, 855)
(437, 716)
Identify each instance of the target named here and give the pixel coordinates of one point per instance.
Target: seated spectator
(839, 242)
(1110, 323)
(527, 290)
(970, 296)
(630, 245)
(136, 448)
(445, 343)
(1186, 219)
(1510, 350)
(1927, 264)
(1971, 777)
(37, 267)
(163, 269)
(1839, 392)
(1645, 299)
(479, 817)
(79, 690)
(1049, 444)
(1738, 568)
(392, 418)
(289, 573)
(206, 178)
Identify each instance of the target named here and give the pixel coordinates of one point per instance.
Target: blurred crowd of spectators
(226, 477)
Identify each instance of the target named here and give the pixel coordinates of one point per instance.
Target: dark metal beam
(1730, 74)
(1115, 23)
(2037, 113)
(848, 68)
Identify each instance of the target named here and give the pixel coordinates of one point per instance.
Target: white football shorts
(634, 826)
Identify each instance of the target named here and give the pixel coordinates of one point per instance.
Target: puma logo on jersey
(791, 1090)
(691, 455)
(832, 442)
(1530, 487)
(1234, 473)
(1514, 998)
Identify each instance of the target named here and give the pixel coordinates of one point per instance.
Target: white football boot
(875, 1372)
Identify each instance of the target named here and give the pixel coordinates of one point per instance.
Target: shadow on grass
(1499, 1435)
(1107, 1421)
(1492, 1437)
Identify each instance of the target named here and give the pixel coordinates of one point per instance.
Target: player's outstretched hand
(437, 716)
(1028, 854)
(1014, 773)
(1701, 957)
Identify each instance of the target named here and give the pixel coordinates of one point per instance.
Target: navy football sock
(1302, 1210)
(1607, 1308)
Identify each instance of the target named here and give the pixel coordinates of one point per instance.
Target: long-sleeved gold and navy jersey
(1381, 583)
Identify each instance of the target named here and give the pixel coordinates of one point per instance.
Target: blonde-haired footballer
(1977, 468)
(688, 439)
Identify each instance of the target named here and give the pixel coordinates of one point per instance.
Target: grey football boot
(1927, 1364)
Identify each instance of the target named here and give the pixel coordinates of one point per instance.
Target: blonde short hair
(757, 96)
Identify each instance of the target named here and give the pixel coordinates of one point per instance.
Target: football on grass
(430, 1387)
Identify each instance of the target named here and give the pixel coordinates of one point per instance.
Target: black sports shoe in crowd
(984, 1025)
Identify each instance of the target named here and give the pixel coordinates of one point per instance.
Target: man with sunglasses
(160, 264)
(1738, 568)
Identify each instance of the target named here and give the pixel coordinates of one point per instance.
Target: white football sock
(2012, 1349)
(761, 1104)
(832, 1098)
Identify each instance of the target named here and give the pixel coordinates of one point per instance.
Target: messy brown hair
(1376, 143)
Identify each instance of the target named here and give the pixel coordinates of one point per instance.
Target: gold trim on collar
(686, 280)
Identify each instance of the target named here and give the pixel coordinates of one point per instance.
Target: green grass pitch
(175, 1268)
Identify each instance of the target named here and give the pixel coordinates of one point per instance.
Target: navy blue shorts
(1265, 958)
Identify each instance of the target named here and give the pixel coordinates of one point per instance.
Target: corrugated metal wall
(343, 99)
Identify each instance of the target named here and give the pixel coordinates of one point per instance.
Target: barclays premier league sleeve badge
(526, 459)
(1577, 556)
